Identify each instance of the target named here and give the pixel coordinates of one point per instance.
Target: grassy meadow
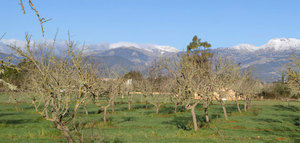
(267, 121)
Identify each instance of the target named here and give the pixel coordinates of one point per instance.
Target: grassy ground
(268, 121)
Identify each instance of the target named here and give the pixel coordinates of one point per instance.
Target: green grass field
(268, 121)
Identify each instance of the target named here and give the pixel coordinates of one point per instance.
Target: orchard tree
(293, 73)
(224, 80)
(41, 20)
(61, 83)
(9, 75)
(249, 89)
(105, 90)
(158, 87)
(131, 85)
(192, 71)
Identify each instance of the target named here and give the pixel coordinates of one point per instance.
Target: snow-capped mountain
(267, 60)
(148, 47)
(93, 47)
(127, 54)
(277, 44)
(246, 47)
(280, 44)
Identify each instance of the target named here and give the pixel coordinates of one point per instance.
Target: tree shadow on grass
(127, 119)
(140, 106)
(166, 110)
(286, 108)
(186, 123)
(6, 114)
(17, 121)
(268, 120)
(294, 119)
(170, 109)
(231, 109)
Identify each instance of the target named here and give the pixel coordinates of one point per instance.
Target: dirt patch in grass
(232, 121)
(280, 139)
(269, 130)
(238, 127)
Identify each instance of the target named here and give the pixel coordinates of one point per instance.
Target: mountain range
(267, 60)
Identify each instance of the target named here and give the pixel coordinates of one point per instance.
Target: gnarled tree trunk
(194, 118)
(245, 105)
(129, 105)
(66, 131)
(113, 106)
(146, 104)
(249, 104)
(205, 105)
(224, 110)
(175, 107)
(157, 108)
(105, 112)
(85, 109)
(206, 114)
(192, 108)
(237, 104)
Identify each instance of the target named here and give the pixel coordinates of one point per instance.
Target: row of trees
(61, 85)
(200, 77)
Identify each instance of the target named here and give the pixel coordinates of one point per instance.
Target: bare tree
(249, 89)
(105, 90)
(131, 85)
(192, 73)
(42, 20)
(60, 82)
(145, 89)
(223, 80)
(173, 90)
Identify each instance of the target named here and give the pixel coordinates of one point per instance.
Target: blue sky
(223, 23)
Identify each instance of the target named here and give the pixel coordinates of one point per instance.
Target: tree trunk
(85, 109)
(194, 118)
(249, 105)
(113, 106)
(35, 107)
(104, 114)
(129, 105)
(205, 105)
(245, 105)
(65, 130)
(206, 114)
(146, 104)
(68, 135)
(237, 104)
(157, 108)
(175, 108)
(224, 110)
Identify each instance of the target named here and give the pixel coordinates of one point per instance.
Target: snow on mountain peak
(245, 47)
(123, 44)
(148, 47)
(283, 44)
(166, 48)
(277, 44)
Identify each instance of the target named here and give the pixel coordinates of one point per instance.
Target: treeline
(277, 90)
(59, 86)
